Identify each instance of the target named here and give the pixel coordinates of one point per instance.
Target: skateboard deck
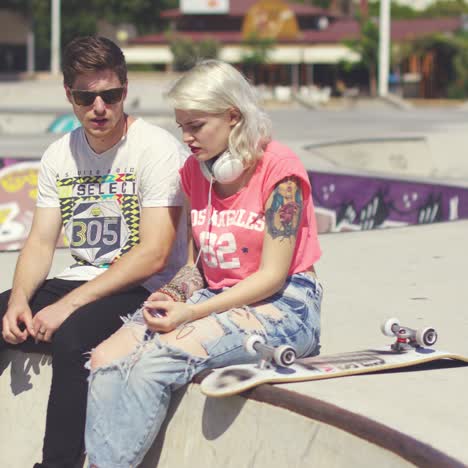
(239, 378)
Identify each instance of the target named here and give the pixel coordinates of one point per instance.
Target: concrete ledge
(24, 388)
(237, 432)
(232, 432)
(390, 420)
(396, 101)
(272, 427)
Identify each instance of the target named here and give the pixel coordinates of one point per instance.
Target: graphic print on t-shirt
(97, 231)
(227, 234)
(101, 216)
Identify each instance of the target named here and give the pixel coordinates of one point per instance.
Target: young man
(114, 185)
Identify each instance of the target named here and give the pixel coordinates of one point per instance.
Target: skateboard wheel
(284, 355)
(388, 326)
(251, 342)
(426, 337)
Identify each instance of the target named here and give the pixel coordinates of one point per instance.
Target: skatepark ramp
(436, 156)
(375, 183)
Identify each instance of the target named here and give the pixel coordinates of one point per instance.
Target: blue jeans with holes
(128, 400)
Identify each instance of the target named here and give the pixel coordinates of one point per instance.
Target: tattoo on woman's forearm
(284, 215)
(188, 279)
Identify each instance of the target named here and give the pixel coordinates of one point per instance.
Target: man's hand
(49, 319)
(17, 315)
(38, 250)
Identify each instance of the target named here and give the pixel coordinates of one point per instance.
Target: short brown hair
(92, 53)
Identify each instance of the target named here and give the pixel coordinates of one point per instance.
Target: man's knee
(67, 346)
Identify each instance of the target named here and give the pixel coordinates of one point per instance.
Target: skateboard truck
(282, 355)
(408, 338)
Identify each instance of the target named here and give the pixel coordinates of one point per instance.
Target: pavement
(416, 273)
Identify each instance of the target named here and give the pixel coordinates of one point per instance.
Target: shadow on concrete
(154, 454)
(22, 366)
(219, 414)
(426, 366)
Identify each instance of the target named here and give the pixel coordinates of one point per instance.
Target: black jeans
(80, 333)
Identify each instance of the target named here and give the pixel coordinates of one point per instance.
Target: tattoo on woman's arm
(187, 280)
(284, 215)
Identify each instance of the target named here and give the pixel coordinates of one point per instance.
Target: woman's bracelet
(174, 292)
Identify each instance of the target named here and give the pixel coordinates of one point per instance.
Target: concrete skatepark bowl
(394, 419)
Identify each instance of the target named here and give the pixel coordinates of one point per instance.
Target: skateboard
(279, 365)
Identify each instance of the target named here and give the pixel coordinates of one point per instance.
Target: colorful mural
(18, 191)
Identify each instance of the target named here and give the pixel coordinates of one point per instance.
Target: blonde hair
(213, 86)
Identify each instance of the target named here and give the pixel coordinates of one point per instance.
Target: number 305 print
(97, 231)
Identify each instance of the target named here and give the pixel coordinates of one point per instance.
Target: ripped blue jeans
(128, 400)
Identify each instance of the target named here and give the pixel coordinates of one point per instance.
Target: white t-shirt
(101, 195)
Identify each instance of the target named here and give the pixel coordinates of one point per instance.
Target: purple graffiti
(5, 162)
(349, 202)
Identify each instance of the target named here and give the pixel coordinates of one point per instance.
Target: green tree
(451, 55)
(446, 8)
(367, 46)
(80, 17)
(458, 87)
(398, 11)
(255, 55)
(319, 3)
(183, 52)
(256, 50)
(187, 52)
(208, 48)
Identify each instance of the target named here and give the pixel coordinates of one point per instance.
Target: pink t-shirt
(232, 244)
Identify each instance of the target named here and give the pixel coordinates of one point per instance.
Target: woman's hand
(165, 316)
(158, 296)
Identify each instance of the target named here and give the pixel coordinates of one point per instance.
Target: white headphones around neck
(224, 169)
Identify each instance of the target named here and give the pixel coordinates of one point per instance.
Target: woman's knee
(99, 358)
(120, 344)
(105, 354)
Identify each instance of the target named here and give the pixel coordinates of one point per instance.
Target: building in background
(14, 37)
(308, 42)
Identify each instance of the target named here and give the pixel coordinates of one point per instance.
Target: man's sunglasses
(86, 98)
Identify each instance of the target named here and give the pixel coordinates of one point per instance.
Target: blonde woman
(250, 269)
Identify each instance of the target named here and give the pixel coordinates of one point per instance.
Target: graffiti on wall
(18, 192)
(4, 162)
(355, 203)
